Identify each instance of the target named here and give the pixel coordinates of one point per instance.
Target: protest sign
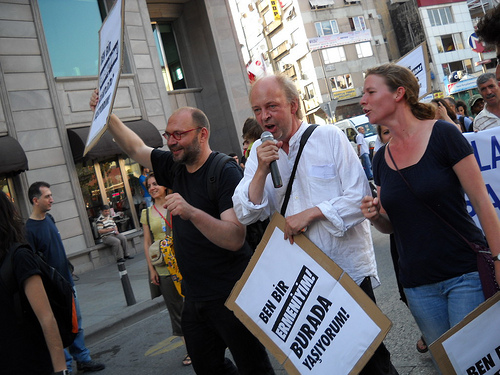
(305, 309)
(417, 61)
(487, 152)
(110, 63)
(472, 347)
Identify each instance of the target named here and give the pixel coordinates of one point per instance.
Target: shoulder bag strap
(303, 141)
(423, 202)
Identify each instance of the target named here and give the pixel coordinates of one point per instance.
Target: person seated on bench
(107, 229)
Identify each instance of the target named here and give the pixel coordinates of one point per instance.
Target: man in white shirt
(489, 117)
(326, 193)
(364, 153)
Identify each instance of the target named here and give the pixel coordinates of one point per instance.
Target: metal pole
(127, 288)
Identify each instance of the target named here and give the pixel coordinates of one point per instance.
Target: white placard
(416, 61)
(305, 309)
(110, 63)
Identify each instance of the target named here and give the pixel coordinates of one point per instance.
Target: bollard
(127, 288)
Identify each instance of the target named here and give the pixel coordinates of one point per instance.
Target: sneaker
(129, 257)
(90, 366)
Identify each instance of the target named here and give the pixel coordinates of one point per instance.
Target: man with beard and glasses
(489, 117)
(209, 241)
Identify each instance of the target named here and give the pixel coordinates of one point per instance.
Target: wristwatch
(62, 372)
(496, 257)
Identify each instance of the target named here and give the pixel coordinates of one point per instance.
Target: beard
(190, 153)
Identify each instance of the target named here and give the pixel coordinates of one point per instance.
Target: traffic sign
(475, 44)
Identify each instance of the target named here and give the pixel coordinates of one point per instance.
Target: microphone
(275, 172)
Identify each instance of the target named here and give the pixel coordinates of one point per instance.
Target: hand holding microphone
(275, 173)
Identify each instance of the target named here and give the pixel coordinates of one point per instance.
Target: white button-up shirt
(329, 176)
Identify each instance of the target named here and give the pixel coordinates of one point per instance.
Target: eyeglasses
(178, 135)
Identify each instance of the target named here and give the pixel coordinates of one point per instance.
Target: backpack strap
(215, 171)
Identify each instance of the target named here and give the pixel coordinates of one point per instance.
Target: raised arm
(128, 141)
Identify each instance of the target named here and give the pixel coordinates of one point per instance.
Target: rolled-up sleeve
(246, 211)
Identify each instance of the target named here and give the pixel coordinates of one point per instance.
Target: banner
(110, 63)
(305, 309)
(342, 39)
(487, 152)
(417, 61)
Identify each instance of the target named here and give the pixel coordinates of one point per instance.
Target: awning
(12, 157)
(107, 147)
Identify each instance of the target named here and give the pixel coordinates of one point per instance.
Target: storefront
(12, 162)
(107, 176)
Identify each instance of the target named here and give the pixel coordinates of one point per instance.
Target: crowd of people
(333, 206)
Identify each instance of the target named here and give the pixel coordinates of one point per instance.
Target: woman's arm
(147, 243)
(37, 297)
(372, 209)
(472, 181)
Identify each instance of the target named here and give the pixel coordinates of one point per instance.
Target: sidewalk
(103, 303)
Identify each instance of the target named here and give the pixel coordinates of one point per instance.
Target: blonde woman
(160, 225)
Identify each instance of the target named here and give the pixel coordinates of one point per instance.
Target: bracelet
(62, 372)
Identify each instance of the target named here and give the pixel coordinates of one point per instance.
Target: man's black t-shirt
(430, 251)
(23, 347)
(209, 272)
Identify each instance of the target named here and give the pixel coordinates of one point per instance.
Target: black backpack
(59, 292)
(256, 230)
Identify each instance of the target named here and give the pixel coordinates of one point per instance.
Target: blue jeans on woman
(438, 307)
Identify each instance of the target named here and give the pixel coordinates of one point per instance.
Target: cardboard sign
(472, 347)
(305, 309)
(110, 64)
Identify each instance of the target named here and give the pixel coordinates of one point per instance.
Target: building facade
(176, 53)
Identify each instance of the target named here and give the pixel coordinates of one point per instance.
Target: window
(114, 182)
(446, 43)
(71, 29)
(169, 56)
(341, 82)
(440, 16)
(326, 28)
(7, 187)
(357, 23)
(309, 91)
(364, 49)
(455, 66)
(333, 55)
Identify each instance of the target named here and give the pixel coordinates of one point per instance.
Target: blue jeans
(367, 166)
(78, 349)
(209, 328)
(438, 307)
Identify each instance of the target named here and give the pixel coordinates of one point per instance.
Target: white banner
(336, 40)
(416, 62)
(487, 151)
(110, 63)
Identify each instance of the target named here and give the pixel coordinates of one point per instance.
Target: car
(350, 128)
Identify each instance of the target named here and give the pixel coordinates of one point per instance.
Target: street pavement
(106, 313)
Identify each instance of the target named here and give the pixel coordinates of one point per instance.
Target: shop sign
(345, 94)
(464, 85)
